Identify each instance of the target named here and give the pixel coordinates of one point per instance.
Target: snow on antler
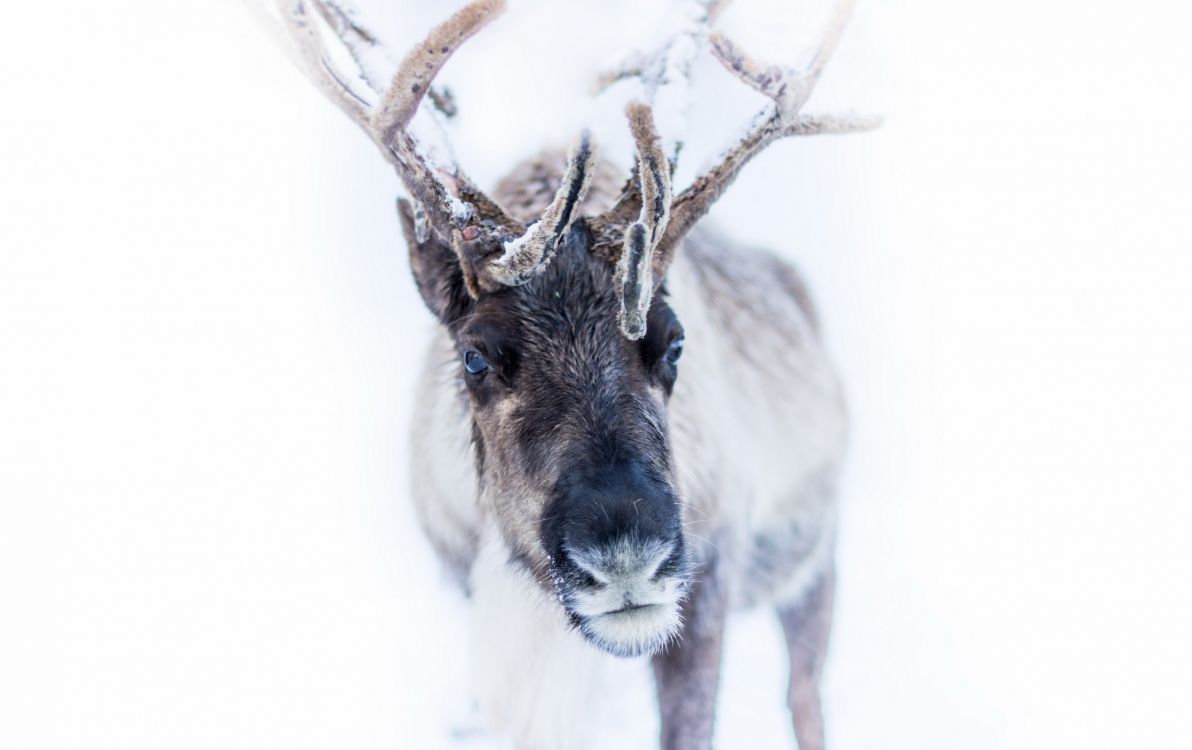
(528, 254)
(665, 74)
(375, 65)
(634, 267)
(493, 249)
(646, 252)
(788, 89)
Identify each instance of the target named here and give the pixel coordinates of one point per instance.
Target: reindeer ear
(436, 268)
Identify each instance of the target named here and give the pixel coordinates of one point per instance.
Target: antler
(789, 90)
(527, 254)
(669, 69)
(635, 266)
(665, 74)
(493, 249)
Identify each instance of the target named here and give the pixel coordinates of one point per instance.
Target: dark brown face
(571, 437)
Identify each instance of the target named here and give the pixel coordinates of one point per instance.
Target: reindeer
(627, 425)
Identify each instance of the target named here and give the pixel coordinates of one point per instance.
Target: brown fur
(548, 444)
(525, 192)
(755, 423)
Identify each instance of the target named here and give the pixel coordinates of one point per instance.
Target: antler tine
(359, 42)
(789, 90)
(651, 68)
(526, 256)
(841, 13)
(378, 69)
(635, 267)
(423, 62)
(665, 74)
(787, 87)
(313, 55)
(387, 116)
(400, 102)
(477, 228)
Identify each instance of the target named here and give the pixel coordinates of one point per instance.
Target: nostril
(585, 569)
(625, 561)
(669, 566)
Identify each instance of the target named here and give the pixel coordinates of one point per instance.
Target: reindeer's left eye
(474, 362)
(675, 350)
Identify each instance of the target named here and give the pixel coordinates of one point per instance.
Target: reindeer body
(594, 502)
(757, 427)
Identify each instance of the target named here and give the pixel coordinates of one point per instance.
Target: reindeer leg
(687, 672)
(806, 626)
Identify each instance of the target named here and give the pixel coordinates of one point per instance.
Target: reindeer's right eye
(474, 362)
(675, 350)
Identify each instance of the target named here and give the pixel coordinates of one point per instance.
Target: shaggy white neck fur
(538, 682)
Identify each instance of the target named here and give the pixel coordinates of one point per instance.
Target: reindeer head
(566, 346)
(570, 429)
(569, 360)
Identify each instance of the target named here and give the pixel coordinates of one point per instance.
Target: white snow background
(208, 333)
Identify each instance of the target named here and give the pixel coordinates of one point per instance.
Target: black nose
(611, 506)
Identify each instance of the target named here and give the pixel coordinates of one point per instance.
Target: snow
(209, 331)
(665, 80)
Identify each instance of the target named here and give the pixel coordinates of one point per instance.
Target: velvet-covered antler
(494, 249)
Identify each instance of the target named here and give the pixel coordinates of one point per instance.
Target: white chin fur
(629, 610)
(634, 632)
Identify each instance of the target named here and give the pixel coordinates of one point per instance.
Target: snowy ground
(207, 335)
